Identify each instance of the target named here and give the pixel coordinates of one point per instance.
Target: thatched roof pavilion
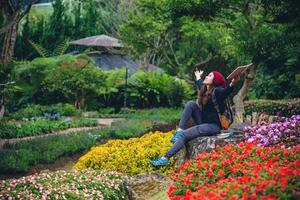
(109, 61)
(98, 41)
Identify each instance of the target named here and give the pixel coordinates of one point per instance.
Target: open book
(238, 71)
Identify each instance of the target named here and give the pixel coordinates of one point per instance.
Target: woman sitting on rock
(202, 111)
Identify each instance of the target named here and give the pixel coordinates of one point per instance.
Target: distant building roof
(98, 41)
(111, 62)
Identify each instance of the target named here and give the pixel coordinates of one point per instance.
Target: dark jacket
(209, 113)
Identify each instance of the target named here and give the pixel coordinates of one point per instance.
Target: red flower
(245, 196)
(171, 190)
(286, 152)
(283, 182)
(247, 167)
(221, 173)
(284, 171)
(222, 193)
(211, 195)
(258, 151)
(253, 196)
(296, 172)
(210, 173)
(190, 175)
(188, 194)
(186, 181)
(234, 197)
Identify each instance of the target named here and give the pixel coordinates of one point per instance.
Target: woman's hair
(204, 95)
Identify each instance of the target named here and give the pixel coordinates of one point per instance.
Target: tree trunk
(1, 103)
(80, 100)
(146, 60)
(238, 99)
(10, 41)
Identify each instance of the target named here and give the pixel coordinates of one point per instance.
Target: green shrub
(285, 108)
(155, 89)
(35, 110)
(75, 80)
(28, 77)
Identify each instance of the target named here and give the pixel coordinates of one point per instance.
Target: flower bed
(130, 156)
(283, 131)
(244, 171)
(65, 185)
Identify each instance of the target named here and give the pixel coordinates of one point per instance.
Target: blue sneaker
(159, 161)
(225, 135)
(177, 135)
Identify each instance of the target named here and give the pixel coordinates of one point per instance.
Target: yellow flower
(130, 156)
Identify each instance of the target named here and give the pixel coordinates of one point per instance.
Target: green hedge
(41, 126)
(285, 108)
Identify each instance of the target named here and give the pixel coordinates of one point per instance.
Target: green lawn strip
(41, 126)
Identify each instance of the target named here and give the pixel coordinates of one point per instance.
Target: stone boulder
(208, 143)
(146, 185)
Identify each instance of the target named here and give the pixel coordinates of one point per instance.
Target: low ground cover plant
(41, 126)
(130, 156)
(282, 131)
(86, 184)
(20, 156)
(244, 171)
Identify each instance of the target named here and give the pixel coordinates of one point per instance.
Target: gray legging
(192, 110)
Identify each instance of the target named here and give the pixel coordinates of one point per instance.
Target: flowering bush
(243, 171)
(130, 156)
(283, 131)
(285, 108)
(65, 185)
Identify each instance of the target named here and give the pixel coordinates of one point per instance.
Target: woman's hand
(198, 74)
(235, 80)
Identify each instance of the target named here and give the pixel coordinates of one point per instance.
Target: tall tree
(59, 27)
(177, 35)
(13, 11)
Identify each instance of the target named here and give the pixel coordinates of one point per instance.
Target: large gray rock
(146, 185)
(201, 144)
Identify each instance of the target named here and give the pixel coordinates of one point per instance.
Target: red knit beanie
(219, 79)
